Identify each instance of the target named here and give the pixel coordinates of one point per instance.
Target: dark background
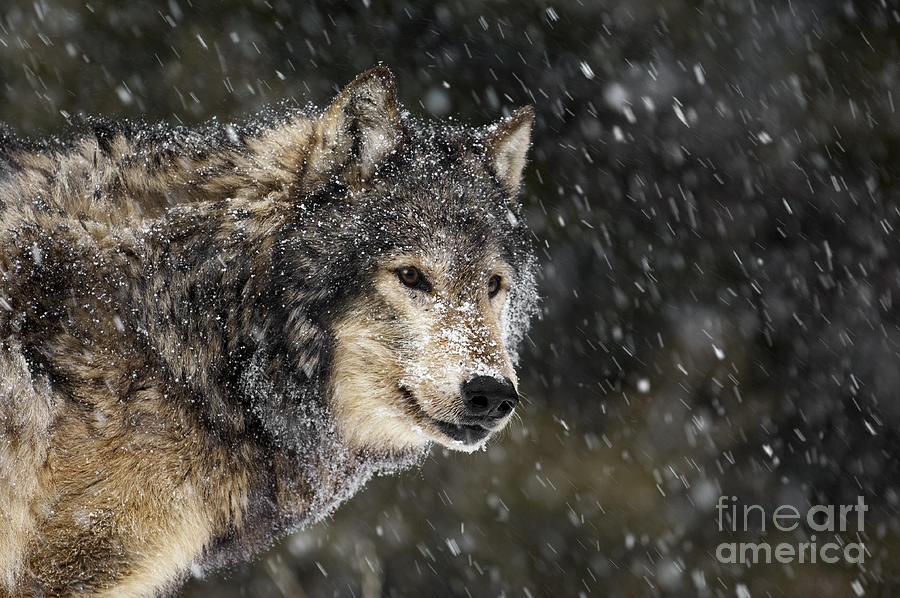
(714, 193)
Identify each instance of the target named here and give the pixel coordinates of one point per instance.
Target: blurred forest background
(714, 191)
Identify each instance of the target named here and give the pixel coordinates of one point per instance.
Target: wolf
(212, 337)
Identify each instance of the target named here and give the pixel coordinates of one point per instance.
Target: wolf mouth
(467, 434)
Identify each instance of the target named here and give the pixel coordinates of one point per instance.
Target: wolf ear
(359, 129)
(507, 144)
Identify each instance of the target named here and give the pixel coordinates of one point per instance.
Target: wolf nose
(488, 398)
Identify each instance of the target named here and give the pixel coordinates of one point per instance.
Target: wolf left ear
(507, 144)
(359, 129)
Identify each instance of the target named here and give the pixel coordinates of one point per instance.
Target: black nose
(488, 398)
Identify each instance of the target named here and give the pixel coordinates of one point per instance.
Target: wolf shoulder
(126, 173)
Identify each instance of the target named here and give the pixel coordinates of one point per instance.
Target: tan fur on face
(402, 355)
(368, 404)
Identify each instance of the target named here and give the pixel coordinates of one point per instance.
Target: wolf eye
(413, 278)
(493, 285)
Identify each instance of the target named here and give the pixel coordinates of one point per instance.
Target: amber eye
(413, 278)
(493, 285)
(409, 276)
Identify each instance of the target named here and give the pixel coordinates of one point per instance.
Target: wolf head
(413, 236)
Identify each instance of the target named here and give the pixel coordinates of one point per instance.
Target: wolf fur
(204, 340)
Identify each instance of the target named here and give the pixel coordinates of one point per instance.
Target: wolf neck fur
(219, 324)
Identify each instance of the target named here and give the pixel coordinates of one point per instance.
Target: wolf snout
(488, 399)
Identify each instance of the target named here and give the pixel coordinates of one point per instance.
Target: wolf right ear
(359, 129)
(507, 145)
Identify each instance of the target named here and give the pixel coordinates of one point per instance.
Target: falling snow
(713, 190)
